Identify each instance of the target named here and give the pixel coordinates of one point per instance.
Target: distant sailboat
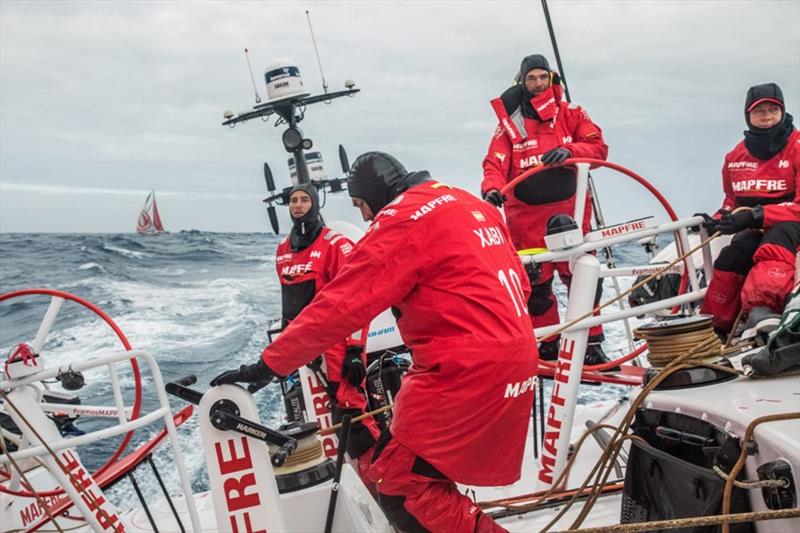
(149, 220)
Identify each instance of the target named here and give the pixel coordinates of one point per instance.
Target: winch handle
(179, 388)
(255, 387)
(224, 417)
(284, 452)
(191, 379)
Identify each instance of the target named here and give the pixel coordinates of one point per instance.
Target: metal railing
(162, 412)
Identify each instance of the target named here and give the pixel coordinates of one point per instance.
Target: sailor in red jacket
(762, 175)
(538, 127)
(307, 260)
(443, 259)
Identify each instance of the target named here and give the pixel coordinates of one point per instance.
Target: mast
(555, 49)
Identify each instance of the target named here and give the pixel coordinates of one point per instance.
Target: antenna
(316, 51)
(252, 78)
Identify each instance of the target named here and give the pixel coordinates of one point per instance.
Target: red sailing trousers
(755, 270)
(418, 498)
(543, 305)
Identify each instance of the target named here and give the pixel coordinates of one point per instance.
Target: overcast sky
(102, 101)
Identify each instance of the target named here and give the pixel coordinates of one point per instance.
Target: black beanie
(531, 62)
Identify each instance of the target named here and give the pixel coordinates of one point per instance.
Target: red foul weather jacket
(304, 273)
(442, 258)
(519, 143)
(774, 183)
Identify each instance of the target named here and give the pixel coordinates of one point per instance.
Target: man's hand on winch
(258, 375)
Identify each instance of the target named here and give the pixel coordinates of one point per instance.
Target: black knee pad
(597, 339)
(361, 439)
(397, 514)
(540, 301)
(384, 439)
(738, 255)
(785, 234)
(598, 293)
(424, 468)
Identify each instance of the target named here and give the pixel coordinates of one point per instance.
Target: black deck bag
(655, 290)
(670, 476)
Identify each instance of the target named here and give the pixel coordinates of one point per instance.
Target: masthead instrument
(287, 98)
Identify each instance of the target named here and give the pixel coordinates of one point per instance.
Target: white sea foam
(191, 313)
(91, 266)
(268, 258)
(125, 252)
(167, 271)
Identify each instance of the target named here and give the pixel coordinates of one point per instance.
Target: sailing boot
(548, 350)
(595, 355)
(761, 321)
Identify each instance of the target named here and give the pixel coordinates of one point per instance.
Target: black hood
(378, 178)
(764, 144)
(306, 228)
(756, 94)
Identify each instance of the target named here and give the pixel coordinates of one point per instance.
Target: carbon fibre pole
(599, 219)
(555, 49)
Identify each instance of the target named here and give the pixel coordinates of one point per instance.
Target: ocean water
(199, 302)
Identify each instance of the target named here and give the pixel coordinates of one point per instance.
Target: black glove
(746, 218)
(353, 369)
(494, 197)
(709, 222)
(556, 156)
(258, 374)
(534, 272)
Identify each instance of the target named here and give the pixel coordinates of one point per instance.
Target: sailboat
(149, 222)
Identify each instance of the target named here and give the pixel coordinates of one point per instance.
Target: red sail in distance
(149, 222)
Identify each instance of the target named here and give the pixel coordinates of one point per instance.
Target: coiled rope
(312, 449)
(667, 342)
